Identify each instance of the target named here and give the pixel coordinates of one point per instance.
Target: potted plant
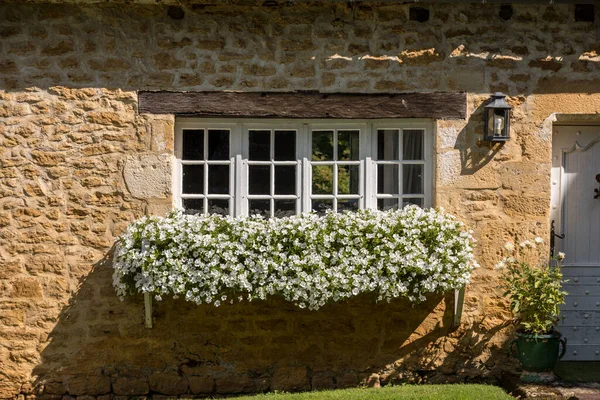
(534, 288)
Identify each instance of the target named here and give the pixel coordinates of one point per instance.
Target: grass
(404, 392)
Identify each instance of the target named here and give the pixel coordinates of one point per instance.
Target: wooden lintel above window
(305, 105)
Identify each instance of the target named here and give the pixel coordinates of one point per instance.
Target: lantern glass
(496, 124)
(497, 119)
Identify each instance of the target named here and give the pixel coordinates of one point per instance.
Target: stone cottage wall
(78, 163)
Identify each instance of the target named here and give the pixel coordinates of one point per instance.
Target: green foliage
(534, 289)
(404, 392)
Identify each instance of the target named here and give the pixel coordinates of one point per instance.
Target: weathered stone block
(89, 385)
(290, 379)
(168, 384)
(148, 176)
(130, 387)
(201, 384)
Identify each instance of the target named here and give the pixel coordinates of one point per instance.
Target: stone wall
(74, 151)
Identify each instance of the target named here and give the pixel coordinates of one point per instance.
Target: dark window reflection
(412, 145)
(193, 179)
(348, 145)
(388, 179)
(321, 206)
(285, 179)
(218, 179)
(322, 179)
(418, 202)
(387, 204)
(285, 145)
(218, 206)
(218, 144)
(260, 145)
(348, 179)
(193, 206)
(347, 205)
(322, 145)
(412, 179)
(259, 179)
(260, 207)
(387, 144)
(285, 208)
(193, 144)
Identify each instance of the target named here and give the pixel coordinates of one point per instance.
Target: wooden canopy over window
(305, 105)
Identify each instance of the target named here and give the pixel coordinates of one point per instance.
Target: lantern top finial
(498, 101)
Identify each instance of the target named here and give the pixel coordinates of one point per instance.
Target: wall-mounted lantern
(497, 119)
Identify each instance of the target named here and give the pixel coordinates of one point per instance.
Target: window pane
(412, 145)
(285, 145)
(193, 179)
(193, 144)
(387, 144)
(348, 179)
(322, 179)
(285, 179)
(322, 145)
(260, 207)
(387, 179)
(347, 205)
(260, 145)
(218, 145)
(218, 179)
(406, 202)
(348, 145)
(412, 179)
(387, 204)
(320, 206)
(259, 179)
(193, 206)
(218, 206)
(285, 208)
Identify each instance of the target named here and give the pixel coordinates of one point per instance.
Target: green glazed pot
(538, 353)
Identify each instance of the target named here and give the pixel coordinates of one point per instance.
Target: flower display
(308, 259)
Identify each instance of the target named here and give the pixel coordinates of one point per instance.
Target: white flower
(560, 256)
(509, 246)
(539, 240)
(500, 265)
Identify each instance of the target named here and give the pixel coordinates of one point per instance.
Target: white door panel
(575, 164)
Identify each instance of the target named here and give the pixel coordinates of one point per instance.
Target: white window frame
(239, 148)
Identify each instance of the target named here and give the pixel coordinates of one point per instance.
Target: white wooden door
(576, 213)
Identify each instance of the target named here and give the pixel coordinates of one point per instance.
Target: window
(277, 168)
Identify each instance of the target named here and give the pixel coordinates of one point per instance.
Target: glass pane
(412, 179)
(387, 179)
(285, 145)
(387, 144)
(260, 145)
(260, 207)
(406, 202)
(193, 179)
(348, 179)
(348, 145)
(320, 206)
(412, 145)
(322, 145)
(322, 179)
(193, 206)
(218, 206)
(218, 145)
(347, 205)
(259, 179)
(193, 144)
(285, 208)
(285, 179)
(387, 204)
(218, 179)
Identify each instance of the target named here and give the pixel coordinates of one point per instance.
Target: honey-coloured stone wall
(78, 163)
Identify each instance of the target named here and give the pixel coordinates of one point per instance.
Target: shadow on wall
(475, 153)
(100, 345)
